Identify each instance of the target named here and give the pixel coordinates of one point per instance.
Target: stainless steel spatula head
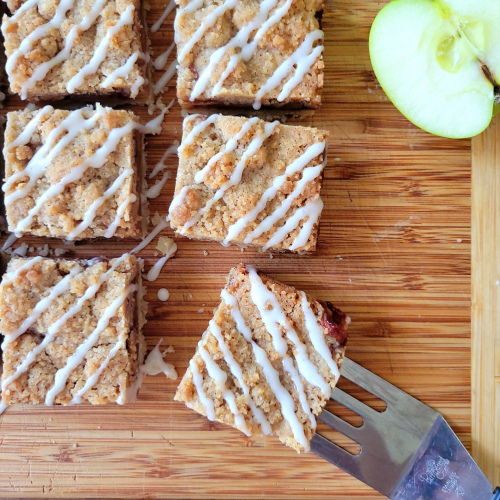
(408, 451)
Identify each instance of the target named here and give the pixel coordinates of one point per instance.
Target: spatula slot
(346, 414)
(339, 439)
(361, 394)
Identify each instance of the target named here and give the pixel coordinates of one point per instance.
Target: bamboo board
(485, 301)
(394, 253)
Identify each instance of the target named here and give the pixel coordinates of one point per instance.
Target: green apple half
(439, 62)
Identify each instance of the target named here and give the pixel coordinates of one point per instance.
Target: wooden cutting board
(394, 253)
(486, 300)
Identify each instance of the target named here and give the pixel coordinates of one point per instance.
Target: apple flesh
(439, 62)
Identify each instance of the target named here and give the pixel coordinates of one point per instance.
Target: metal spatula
(408, 452)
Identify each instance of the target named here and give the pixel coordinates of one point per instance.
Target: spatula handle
(496, 494)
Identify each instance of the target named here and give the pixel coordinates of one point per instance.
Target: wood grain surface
(394, 253)
(485, 301)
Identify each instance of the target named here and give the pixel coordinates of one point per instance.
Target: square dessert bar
(249, 182)
(75, 174)
(86, 48)
(248, 52)
(72, 330)
(268, 360)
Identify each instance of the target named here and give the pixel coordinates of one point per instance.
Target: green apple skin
(428, 57)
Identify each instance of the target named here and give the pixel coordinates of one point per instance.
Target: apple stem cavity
(496, 86)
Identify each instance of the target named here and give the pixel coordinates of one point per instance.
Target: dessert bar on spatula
(268, 360)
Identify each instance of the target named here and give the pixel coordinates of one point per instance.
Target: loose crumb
(205, 253)
(200, 311)
(459, 240)
(156, 219)
(60, 251)
(43, 251)
(166, 245)
(271, 256)
(21, 250)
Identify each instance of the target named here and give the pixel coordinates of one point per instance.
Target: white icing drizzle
(273, 318)
(131, 198)
(309, 174)
(92, 380)
(154, 126)
(155, 190)
(124, 71)
(155, 364)
(196, 131)
(165, 78)
(38, 33)
(163, 294)
(161, 60)
(208, 21)
(12, 275)
(58, 289)
(96, 160)
(130, 394)
(272, 376)
(172, 150)
(9, 241)
(41, 71)
(177, 201)
(230, 146)
(301, 391)
(24, 7)
(150, 237)
(237, 373)
(235, 178)
(302, 60)
(191, 7)
(61, 376)
(25, 136)
(55, 328)
(71, 126)
(91, 212)
(312, 212)
(220, 377)
(248, 50)
(56, 22)
(316, 336)
(304, 65)
(126, 18)
(296, 166)
(261, 22)
(155, 271)
(170, 7)
(205, 400)
(3, 407)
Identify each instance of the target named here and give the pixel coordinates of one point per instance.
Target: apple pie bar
(248, 53)
(75, 174)
(249, 182)
(72, 330)
(268, 361)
